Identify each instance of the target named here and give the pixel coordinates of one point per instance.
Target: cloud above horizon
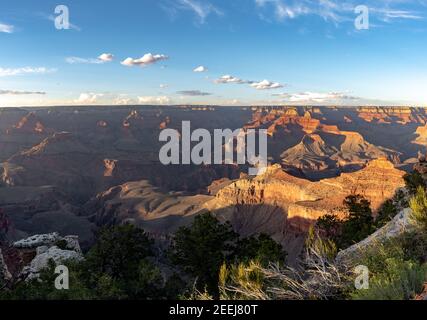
(8, 72)
(88, 98)
(18, 93)
(316, 97)
(194, 93)
(156, 100)
(145, 60)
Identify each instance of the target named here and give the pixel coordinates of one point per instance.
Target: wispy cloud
(259, 85)
(316, 97)
(7, 72)
(338, 11)
(194, 93)
(388, 15)
(6, 28)
(103, 58)
(202, 9)
(18, 93)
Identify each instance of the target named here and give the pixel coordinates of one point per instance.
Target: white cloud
(266, 85)
(154, 100)
(200, 69)
(229, 79)
(103, 58)
(261, 85)
(163, 86)
(6, 28)
(146, 60)
(18, 93)
(124, 100)
(106, 57)
(89, 98)
(316, 97)
(7, 72)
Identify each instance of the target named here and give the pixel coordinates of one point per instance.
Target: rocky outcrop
(37, 241)
(46, 248)
(400, 224)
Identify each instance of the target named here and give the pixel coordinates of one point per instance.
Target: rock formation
(45, 248)
(403, 115)
(422, 136)
(303, 202)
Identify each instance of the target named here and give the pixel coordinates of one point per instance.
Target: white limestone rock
(47, 247)
(37, 241)
(41, 260)
(399, 225)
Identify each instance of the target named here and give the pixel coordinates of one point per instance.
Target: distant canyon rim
(73, 169)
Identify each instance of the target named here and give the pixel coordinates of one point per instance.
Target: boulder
(44, 255)
(45, 248)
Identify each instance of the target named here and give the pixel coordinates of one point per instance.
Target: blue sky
(248, 52)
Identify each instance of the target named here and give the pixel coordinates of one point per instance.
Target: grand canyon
(73, 169)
